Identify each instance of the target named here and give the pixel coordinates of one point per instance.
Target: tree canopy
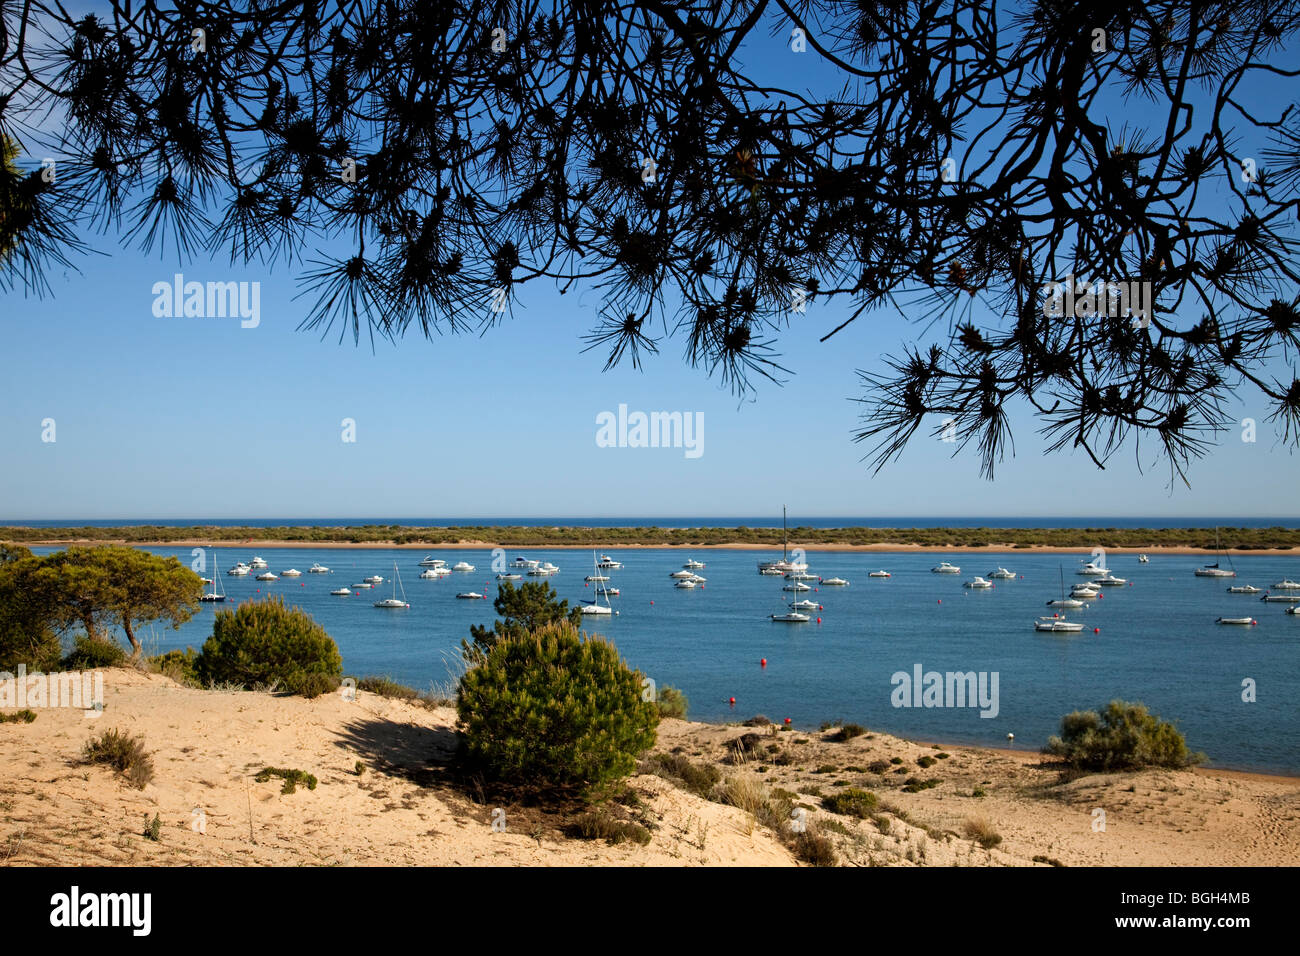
(954, 160)
(525, 610)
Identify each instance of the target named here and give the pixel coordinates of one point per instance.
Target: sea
(1232, 690)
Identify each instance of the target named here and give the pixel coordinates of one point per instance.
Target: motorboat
(257, 563)
(978, 583)
(437, 571)
(1243, 589)
(431, 562)
(693, 565)
(239, 570)
(462, 566)
(374, 579)
(805, 605)
(471, 596)
(612, 592)
(318, 569)
(1286, 584)
(430, 574)
(291, 573)
(394, 601)
(801, 576)
(697, 578)
(607, 562)
(1057, 625)
(1093, 568)
(1281, 598)
(510, 577)
(686, 584)
(543, 570)
(945, 568)
(835, 583)
(1111, 580)
(1294, 609)
(772, 572)
(1084, 591)
(1002, 574)
(268, 576)
(797, 586)
(792, 617)
(342, 592)
(682, 575)
(880, 574)
(363, 586)
(522, 562)
(1143, 559)
(1065, 602)
(1236, 620)
(596, 578)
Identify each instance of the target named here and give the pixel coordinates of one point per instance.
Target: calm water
(1158, 642)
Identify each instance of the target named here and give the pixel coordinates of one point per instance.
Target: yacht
(805, 605)
(1286, 584)
(600, 578)
(978, 583)
(686, 584)
(436, 571)
(522, 562)
(785, 564)
(1110, 579)
(1065, 602)
(394, 601)
(471, 596)
(1002, 574)
(1281, 598)
(595, 607)
(342, 592)
(431, 562)
(545, 569)
(797, 586)
(1236, 620)
(239, 570)
(1084, 591)
(835, 583)
(693, 565)
(430, 574)
(1243, 589)
(1057, 624)
(318, 569)
(462, 566)
(945, 568)
(1093, 568)
(291, 573)
(374, 579)
(792, 617)
(510, 577)
(268, 576)
(880, 574)
(682, 575)
(772, 572)
(698, 578)
(257, 563)
(218, 594)
(607, 562)
(1213, 570)
(1143, 559)
(363, 586)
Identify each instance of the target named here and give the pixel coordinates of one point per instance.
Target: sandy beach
(404, 808)
(811, 548)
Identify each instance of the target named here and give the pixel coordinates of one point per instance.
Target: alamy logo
(133, 910)
(83, 690)
(1095, 299)
(953, 689)
(212, 300)
(653, 430)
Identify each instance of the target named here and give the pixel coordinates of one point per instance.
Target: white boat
(436, 571)
(805, 605)
(1143, 559)
(610, 592)
(522, 562)
(1286, 584)
(772, 572)
(686, 584)
(836, 583)
(239, 570)
(682, 575)
(343, 592)
(471, 596)
(945, 568)
(693, 565)
(785, 564)
(607, 562)
(374, 579)
(291, 573)
(792, 617)
(978, 583)
(431, 574)
(1002, 574)
(1281, 598)
(462, 566)
(1065, 602)
(394, 601)
(880, 574)
(698, 578)
(318, 569)
(797, 586)
(1057, 624)
(431, 562)
(1092, 568)
(1110, 579)
(1294, 609)
(1084, 591)
(268, 576)
(543, 570)
(595, 607)
(363, 586)
(801, 576)
(218, 594)
(1236, 620)
(1213, 570)
(596, 577)
(1243, 589)
(510, 577)
(257, 563)
(1062, 601)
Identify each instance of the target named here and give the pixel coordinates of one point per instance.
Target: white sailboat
(785, 564)
(595, 607)
(218, 593)
(1213, 570)
(1057, 623)
(393, 601)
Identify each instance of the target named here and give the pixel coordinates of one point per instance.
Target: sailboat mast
(784, 537)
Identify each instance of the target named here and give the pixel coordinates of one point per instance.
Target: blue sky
(179, 417)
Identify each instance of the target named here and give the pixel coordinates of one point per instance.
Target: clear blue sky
(175, 417)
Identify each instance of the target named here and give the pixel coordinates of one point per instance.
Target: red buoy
(762, 662)
(819, 620)
(787, 720)
(1096, 630)
(733, 702)
(652, 603)
(940, 600)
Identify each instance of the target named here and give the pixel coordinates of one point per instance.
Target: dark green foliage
(153, 828)
(699, 779)
(602, 825)
(916, 784)
(123, 753)
(265, 642)
(851, 802)
(814, 849)
(878, 766)
(895, 760)
(525, 609)
(24, 716)
(27, 614)
(758, 720)
(90, 654)
(848, 732)
(178, 665)
(742, 748)
(926, 762)
(672, 702)
(387, 687)
(1050, 860)
(1123, 737)
(552, 708)
(291, 778)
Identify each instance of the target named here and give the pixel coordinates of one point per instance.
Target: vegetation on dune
(290, 777)
(1124, 736)
(1241, 539)
(269, 643)
(122, 752)
(525, 610)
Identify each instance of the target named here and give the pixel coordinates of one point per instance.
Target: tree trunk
(136, 649)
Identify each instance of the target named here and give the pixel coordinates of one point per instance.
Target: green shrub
(926, 762)
(178, 665)
(90, 654)
(550, 708)
(291, 778)
(123, 753)
(742, 748)
(699, 779)
(851, 802)
(602, 825)
(916, 784)
(895, 759)
(814, 849)
(24, 716)
(266, 642)
(153, 828)
(878, 766)
(1123, 737)
(848, 732)
(672, 702)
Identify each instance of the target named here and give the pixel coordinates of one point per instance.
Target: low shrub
(24, 716)
(178, 665)
(926, 762)
(90, 654)
(291, 778)
(671, 702)
(878, 766)
(699, 779)
(1123, 737)
(267, 643)
(851, 802)
(602, 825)
(848, 732)
(982, 832)
(122, 752)
(153, 828)
(916, 785)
